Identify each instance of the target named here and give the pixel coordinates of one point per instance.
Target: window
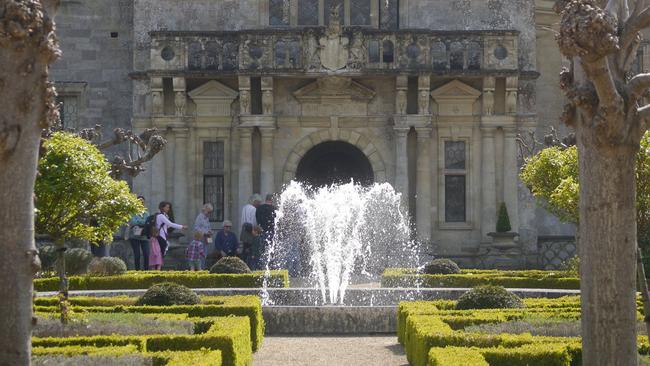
(213, 177)
(68, 111)
(455, 181)
(318, 12)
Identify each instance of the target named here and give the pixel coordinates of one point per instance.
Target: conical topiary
(503, 221)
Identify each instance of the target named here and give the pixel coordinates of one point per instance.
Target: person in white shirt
(248, 211)
(163, 223)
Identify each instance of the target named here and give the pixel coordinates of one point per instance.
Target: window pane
(213, 157)
(279, 12)
(454, 154)
(213, 193)
(331, 4)
(359, 12)
(388, 14)
(307, 12)
(373, 51)
(455, 198)
(68, 111)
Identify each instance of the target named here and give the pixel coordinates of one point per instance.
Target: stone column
(267, 183)
(489, 84)
(401, 163)
(157, 97)
(267, 96)
(488, 183)
(244, 95)
(512, 86)
(245, 169)
(423, 184)
(510, 177)
(181, 198)
(424, 94)
(157, 180)
(180, 97)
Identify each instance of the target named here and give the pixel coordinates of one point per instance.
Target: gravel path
(330, 351)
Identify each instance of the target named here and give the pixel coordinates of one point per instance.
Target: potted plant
(503, 238)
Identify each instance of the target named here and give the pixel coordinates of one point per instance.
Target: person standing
(265, 216)
(225, 242)
(202, 225)
(163, 223)
(257, 249)
(139, 242)
(155, 252)
(248, 212)
(195, 252)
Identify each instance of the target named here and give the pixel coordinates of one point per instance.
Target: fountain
(331, 233)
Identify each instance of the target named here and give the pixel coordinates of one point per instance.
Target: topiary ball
(77, 261)
(107, 266)
(47, 254)
(442, 266)
(168, 293)
(230, 265)
(488, 297)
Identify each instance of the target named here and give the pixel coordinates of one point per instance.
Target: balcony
(349, 50)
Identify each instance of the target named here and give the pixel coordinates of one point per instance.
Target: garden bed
(144, 279)
(408, 277)
(434, 333)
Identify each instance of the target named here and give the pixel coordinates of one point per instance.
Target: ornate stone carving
(334, 46)
(156, 102)
(244, 102)
(267, 101)
(488, 96)
(358, 51)
(400, 101)
(180, 100)
(511, 94)
(312, 51)
(423, 102)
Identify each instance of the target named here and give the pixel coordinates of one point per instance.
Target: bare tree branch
(638, 85)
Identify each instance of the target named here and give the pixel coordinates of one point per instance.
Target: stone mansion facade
(428, 95)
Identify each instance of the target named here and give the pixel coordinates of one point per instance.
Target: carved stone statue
(488, 102)
(334, 51)
(180, 100)
(357, 51)
(267, 101)
(400, 101)
(244, 102)
(312, 51)
(423, 102)
(156, 102)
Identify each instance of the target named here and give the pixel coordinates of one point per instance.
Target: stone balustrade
(344, 50)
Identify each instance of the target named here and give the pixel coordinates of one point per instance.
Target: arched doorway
(334, 162)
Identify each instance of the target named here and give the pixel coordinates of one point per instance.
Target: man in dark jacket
(265, 216)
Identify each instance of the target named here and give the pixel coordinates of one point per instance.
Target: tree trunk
(607, 250)
(25, 51)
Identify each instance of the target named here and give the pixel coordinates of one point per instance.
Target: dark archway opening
(334, 162)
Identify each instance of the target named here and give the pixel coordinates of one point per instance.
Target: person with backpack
(163, 223)
(138, 239)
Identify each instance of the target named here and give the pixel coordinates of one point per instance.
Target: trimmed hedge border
(203, 357)
(433, 335)
(407, 277)
(144, 279)
(230, 335)
(212, 306)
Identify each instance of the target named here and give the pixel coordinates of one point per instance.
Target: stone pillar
(267, 166)
(244, 95)
(488, 183)
(510, 177)
(423, 184)
(245, 169)
(489, 85)
(267, 96)
(400, 94)
(157, 97)
(180, 176)
(180, 97)
(424, 94)
(401, 163)
(157, 180)
(512, 86)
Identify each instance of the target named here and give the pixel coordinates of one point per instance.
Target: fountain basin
(315, 320)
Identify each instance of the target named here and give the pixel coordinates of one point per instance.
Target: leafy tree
(27, 46)
(76, 196)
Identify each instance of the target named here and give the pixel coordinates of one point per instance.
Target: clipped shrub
(488, 297)
(503, 220)
(47, 255)
(232, 265)
(442, 266)
(572, 266)
(168, 293)
(107, 266)
(77, 261)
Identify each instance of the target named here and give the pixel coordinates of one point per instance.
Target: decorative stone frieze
(340, 49)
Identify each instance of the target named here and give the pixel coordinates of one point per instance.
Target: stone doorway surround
(352, 137)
